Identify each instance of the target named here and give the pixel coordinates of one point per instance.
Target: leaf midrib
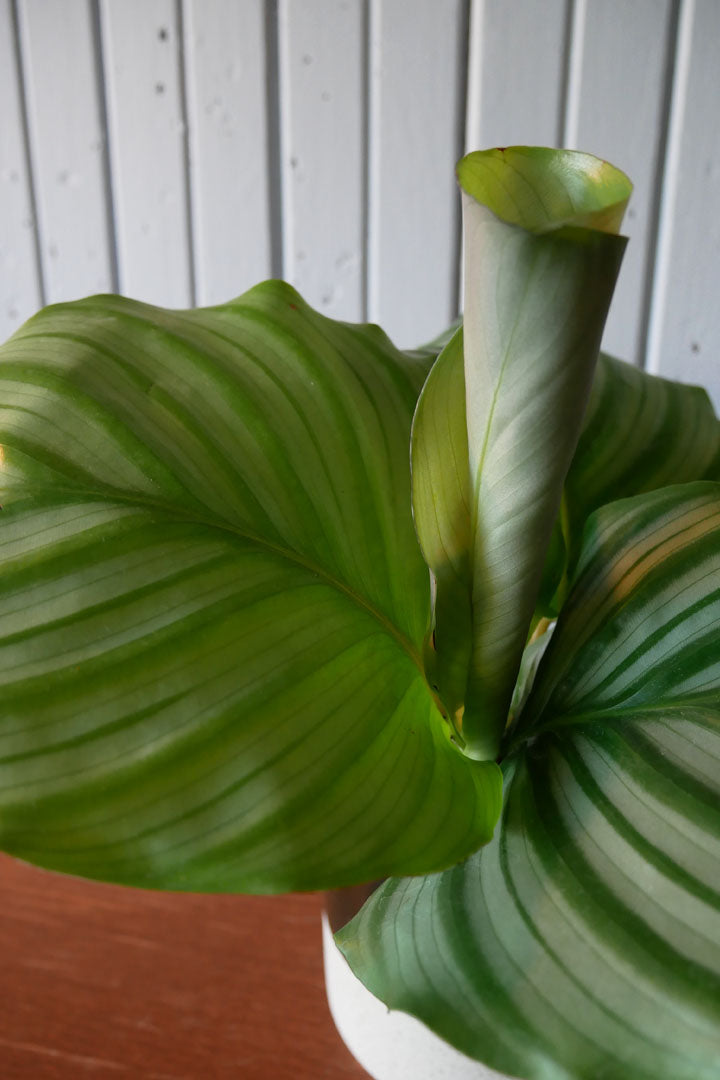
(286, 553)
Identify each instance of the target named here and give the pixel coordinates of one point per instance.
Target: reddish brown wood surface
(110, 983)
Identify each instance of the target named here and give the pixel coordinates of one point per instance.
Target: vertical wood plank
(142, 52)
(67, 147)
(516, 74)
(684, 341)
(417, 81)
(20, 292)
(322, 71)
(620, 114)
(228, 127)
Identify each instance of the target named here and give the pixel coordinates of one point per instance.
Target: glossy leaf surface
(584, 940)
(213, 604)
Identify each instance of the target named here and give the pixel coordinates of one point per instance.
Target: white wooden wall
(179, 151)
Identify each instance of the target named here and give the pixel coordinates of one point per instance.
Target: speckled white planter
(389, 1045)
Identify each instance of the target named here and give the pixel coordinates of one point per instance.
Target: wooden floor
(104, 982)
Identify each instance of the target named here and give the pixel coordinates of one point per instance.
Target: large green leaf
(214, 606)
(541, 260)
(584, 940)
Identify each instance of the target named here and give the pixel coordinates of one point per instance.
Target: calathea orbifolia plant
(224, 668)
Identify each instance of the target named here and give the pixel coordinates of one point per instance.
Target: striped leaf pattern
(584, 940)
(641, 432)
(214, 605)
(642, 624)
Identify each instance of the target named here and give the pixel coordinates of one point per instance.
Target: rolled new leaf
(542, 256)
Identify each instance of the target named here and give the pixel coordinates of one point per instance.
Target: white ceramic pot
(389, 1045)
